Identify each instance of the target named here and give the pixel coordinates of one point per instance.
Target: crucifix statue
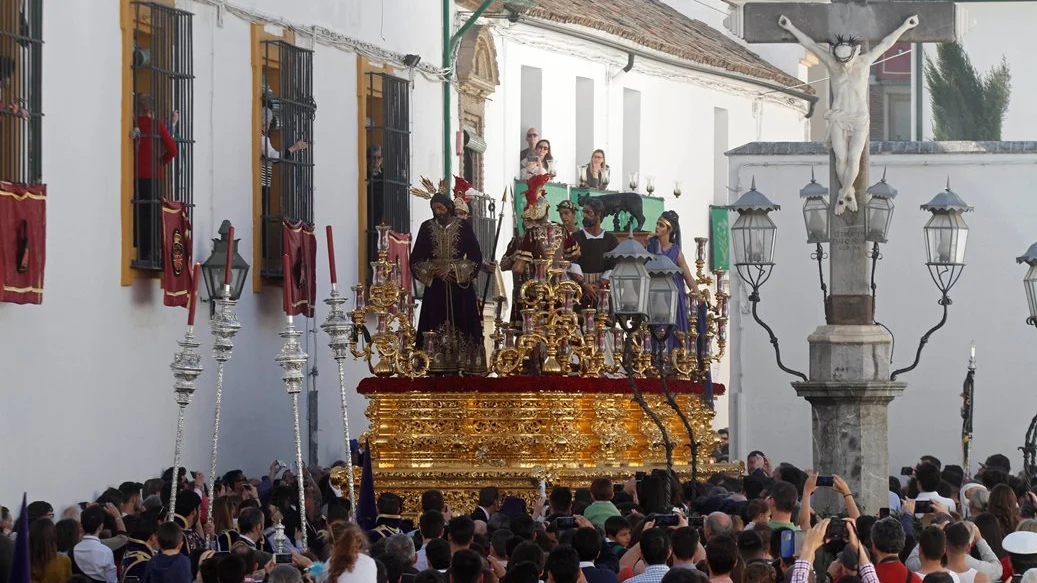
(849, 386)
(849, 122)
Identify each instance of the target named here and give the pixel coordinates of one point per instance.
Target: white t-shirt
(364, 571)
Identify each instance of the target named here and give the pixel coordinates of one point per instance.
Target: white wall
(87, 388)
(988, 307)
(677, 121)
(996, 30)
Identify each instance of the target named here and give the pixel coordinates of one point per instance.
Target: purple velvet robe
(450, 306)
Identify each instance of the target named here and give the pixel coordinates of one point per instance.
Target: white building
(989, 305)
(87, 389)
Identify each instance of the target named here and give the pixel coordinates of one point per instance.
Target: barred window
(163, 115)
(286, 159)
(388, 156)
(482, 211)
(21, 115)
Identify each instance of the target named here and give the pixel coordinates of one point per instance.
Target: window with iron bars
(482, 211)
(388, 156)
(286, 157)
(21, 74)
(163, 118)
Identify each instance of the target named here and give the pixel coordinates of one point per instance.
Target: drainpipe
(449, 44)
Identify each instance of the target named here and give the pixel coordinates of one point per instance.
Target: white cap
(1021, 543)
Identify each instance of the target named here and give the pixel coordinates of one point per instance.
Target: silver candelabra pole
(279, 537)
(186, 366)
(338, 328)
(224, 327)
(292, 359)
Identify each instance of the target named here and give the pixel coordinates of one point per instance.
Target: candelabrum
(292, 359)
(394, 338)
(186, 366)
(708, 304)
(592, 353)
(338, 328)
(224, 327)
(550, 326)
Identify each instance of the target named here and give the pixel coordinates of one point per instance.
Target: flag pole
(967, 410)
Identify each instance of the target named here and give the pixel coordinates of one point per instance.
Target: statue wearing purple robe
(446, 258)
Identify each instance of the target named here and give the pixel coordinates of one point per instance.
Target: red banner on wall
(300, 285)
(176, 252)
(23, 242)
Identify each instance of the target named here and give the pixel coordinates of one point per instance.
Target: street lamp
(1030, 281)
(752, 236)
(815, 216)
(945, 236)
(878, 211)
(214, 267)
(630, 287)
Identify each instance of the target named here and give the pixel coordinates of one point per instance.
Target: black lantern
(215, 266)
(815, 210)
(1030, 281)
(662, 291)
(628, 284)
(752, 236)
(878, 211)
(945, 236)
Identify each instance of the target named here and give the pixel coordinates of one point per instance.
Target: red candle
(194, 294)
(331, 256)
(230, 256)
(286, 264)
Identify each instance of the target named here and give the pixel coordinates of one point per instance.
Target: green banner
(720, 244)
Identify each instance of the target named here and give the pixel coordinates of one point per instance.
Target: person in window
(155, 149)
(596, 173)
(374, 162)
(532, 135)
(530, 167)
(547, 161)
(271, 155)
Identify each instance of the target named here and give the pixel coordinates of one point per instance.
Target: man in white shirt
(928, 478)
(92, 557)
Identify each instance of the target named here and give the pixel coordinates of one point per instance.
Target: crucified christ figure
(848, 118)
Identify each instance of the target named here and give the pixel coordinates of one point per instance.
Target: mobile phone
(542, 489)
(907, 471)
(666, 519)
(696, 521)
(283, 558)
(923, 506)
(825, 482)
(883, 512)
(792, 543)
(639, 476)
(564, 522)
(836, 529)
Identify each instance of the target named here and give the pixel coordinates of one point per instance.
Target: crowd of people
(536, 159)
(940, 527)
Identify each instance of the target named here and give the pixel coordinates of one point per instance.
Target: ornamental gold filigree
(391, 349)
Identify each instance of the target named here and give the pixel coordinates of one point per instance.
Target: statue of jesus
(848, 117)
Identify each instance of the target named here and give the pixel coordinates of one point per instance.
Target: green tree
(966, 105)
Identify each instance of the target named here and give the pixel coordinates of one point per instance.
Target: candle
(331, 258)
(286, 265)
(230, 256)
(194, 294)
(972, 352)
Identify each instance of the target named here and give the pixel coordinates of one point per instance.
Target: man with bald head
(532, 137)
(718, 524)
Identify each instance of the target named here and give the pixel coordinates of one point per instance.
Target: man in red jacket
(155, 148)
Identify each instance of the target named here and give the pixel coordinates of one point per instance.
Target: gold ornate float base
(459, 434)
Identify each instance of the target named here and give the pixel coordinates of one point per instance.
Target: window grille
(163, 122)
(21, 74)
(388, 136)
(288, 110)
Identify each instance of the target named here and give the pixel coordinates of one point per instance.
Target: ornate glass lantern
(815, 210)
(945, 236)
(215, 265)
(878, 211)
(629, 281)
(1030, 281)
(662, 291)
(752, 236)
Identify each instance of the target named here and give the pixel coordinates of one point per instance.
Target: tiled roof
(656, 25)
(887, 148)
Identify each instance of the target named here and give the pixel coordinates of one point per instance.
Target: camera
(665, 519)
(836, 529)
(564, 522)
(696, 521)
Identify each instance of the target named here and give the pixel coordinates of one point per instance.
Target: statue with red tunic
(446, 258)
(539, 236)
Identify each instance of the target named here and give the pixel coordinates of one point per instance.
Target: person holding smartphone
(834, 482)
